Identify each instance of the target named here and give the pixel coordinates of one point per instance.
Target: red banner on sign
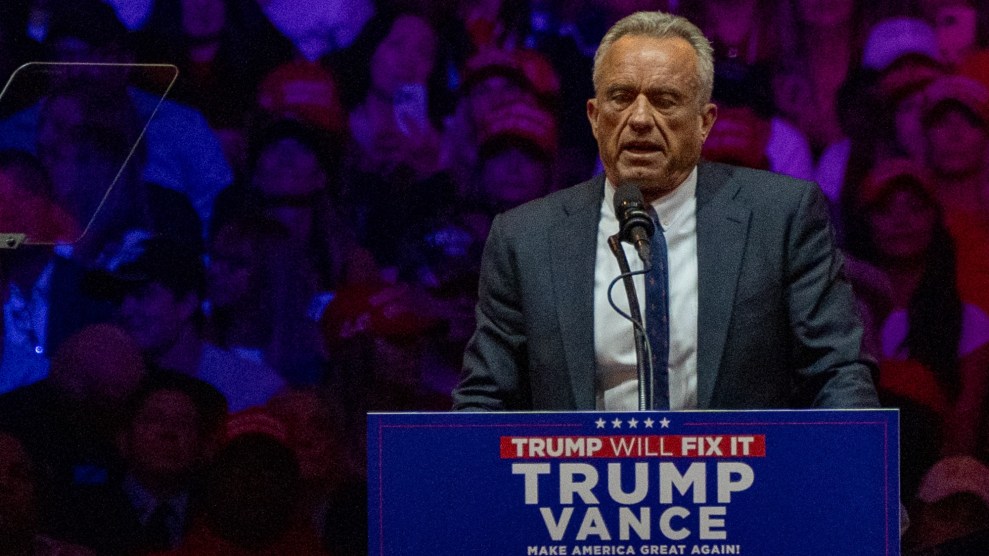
(634, 446)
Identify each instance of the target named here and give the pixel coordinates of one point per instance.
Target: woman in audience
(396, 88)
(935, 347)
(304, 252)
(396, 91)
(244, 312)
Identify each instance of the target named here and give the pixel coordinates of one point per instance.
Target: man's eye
(621, 99)
(664, 102)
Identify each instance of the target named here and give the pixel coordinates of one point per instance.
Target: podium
(758, 483)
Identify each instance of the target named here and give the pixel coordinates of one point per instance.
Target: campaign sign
(758, 483)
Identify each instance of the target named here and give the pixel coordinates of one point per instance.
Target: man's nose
(640, 118)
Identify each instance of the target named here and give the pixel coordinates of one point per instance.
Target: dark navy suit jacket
(777, 324)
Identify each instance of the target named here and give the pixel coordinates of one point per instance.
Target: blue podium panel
(758, 483)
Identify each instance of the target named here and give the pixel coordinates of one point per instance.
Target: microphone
(635, 226)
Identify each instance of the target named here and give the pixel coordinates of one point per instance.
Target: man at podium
(745, 302)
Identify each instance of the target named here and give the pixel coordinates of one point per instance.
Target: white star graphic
(599, 423)
(617, 423)
(648, 423)
(632, 423)
(664, 422)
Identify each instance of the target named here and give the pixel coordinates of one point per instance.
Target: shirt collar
(669, 208)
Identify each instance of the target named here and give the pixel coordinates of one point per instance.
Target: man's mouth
(641, 147)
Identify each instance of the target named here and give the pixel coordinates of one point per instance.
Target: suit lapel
(722, 230)
(574, 241)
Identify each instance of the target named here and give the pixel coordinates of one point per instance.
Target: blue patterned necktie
(658, 317)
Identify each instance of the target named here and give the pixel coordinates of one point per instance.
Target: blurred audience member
(379, 334)
(879, 108)
(20, 524)
(956, 127)
(956, 123)
(951, 515)
(67, 421)
(85, 140)
(395, 74)
(334, 486)
(257, 299)
(250, 500)
(169, 427)
(820, 44)
(222, 48)
(512, 168)
(306, 92)
(291, 185)
(239, 311)
(503, 90)
(935, 347)
(396, 87)
(901, 89)
(157, 286)
(747, 132)
(292, 166)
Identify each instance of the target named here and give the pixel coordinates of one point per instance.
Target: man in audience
(251, 495)
(158, 289)
(168, 430)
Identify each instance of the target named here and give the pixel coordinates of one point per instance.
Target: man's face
(164, 439)
(647, 116)
(155, 317)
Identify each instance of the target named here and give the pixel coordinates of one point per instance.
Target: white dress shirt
(617, 381)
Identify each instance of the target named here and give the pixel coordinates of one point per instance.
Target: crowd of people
(293, 236)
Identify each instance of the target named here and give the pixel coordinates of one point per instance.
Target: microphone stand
(645, 380)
